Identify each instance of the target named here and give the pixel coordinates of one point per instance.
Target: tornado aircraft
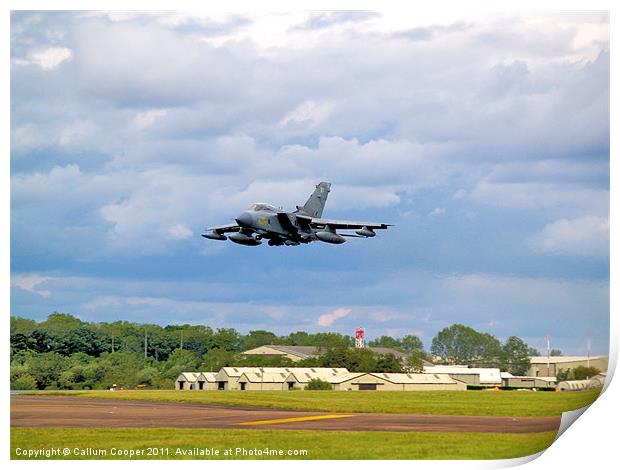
(304, 225)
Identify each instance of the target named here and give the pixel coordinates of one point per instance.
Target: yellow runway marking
(294, 420)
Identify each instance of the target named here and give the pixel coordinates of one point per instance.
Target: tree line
(64, 352)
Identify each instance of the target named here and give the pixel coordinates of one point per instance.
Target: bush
(318, 384)
(23, 382)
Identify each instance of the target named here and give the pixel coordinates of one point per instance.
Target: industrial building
(598, 380)
(518, 381)
(489, 377)
(417, 382)
(275, 381)
(574, 385)
(187, 381)
(196, 381)
(299, 377)
(228, 377)
(291, 378)
(543, 366)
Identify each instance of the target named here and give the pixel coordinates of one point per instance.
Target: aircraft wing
(224, 228)
(339, 224)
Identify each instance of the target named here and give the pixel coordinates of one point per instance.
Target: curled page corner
(568, 418)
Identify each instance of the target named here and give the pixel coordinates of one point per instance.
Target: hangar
(598, 380)
(301, 377)
(379, 381)
(518, 381)
(418, 382)
(573, 385)
(544, 366)
(485, 376)
(263, 381)
(196, 381)
(186, 381)
(228, 377)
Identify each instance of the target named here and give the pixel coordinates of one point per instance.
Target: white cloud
(180, 232)
(583, 236)
(438, 211)
(308, 113)
(537, 195)
(147, 118)
(76, 133)
(30, 282)
(47, 58)
(328, 318)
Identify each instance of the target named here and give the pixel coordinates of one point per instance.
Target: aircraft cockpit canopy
(259, 206)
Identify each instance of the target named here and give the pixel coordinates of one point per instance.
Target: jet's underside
(265, 222)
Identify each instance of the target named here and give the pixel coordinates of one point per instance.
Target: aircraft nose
(244, 220)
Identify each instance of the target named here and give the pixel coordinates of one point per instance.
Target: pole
(145, 343)
(548, 356)
(181, 339)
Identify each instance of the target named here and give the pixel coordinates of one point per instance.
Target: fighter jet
(304, 225)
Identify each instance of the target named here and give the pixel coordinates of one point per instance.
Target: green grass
(319, 445)
(470, 403)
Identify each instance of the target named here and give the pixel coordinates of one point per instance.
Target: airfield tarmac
(75, 412)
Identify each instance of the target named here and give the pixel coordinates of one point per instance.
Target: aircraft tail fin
(316, 202)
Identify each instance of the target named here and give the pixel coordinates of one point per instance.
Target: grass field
(319, 445)
(470, 403)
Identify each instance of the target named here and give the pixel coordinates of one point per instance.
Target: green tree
(460, 344)
(515, 356)
(318, 384)
(148, 376)
(335, 357)
(22, 326)
(23, 382)
(46, 368)
(533, 351)
(361, 360)
(180, 361)
(227, 339)
(385, 342)
(389, 363)
(414, 362)
(214, 359)
(555, 352)
(411, 344)
(257, 338)
(299, 338)
(584, 372)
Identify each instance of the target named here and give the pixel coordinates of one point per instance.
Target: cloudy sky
(484, 139)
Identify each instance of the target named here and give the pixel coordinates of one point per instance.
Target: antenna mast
(548, 356)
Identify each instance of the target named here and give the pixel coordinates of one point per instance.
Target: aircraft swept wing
(340, 224)
(263, 221)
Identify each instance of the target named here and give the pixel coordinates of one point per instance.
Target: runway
(75, 412)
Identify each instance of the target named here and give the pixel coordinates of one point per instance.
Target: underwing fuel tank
(365, 232)
(214, 236)
(330, 237)
(243, 239)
